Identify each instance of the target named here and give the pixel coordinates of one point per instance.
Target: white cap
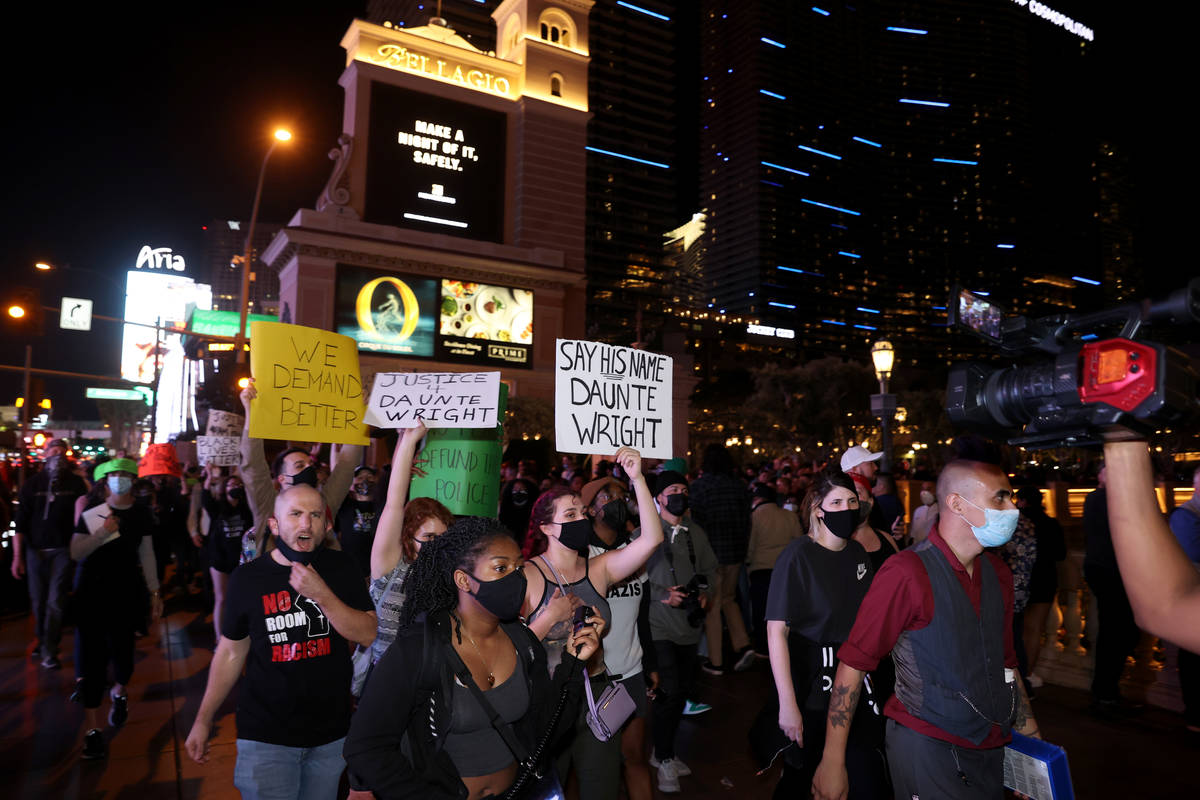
(857, 455)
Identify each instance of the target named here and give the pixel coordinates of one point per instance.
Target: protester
(925, 516)
(816, 589)
(721, 506)
(403, 530)
(291, 467)
(116, 567)
(624, 649)
(1043, 582)
(224, 500)
(772, 529)
(357, 519)
(878, 544)
(945, 614)
(861, 465)
(43, 524)
(564, 577)
(891, 510)
(516, 501)
(680, 591)
(288, 619)
(1118, 632)
(464, 592)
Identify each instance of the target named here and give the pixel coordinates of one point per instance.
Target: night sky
(137, 124)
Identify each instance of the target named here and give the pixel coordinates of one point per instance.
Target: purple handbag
(606, 717)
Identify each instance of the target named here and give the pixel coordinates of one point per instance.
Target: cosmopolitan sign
(1058, 18)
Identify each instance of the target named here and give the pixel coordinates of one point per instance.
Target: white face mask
(927, 498)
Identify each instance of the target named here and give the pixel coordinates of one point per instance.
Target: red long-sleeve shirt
(901, 599)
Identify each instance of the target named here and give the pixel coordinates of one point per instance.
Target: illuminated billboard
(435, 164)
(485, 324)
(448, 319)
(385, 312)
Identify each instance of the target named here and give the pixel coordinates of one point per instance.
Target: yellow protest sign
(309, 386)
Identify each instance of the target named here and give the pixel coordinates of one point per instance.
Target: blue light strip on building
(776, 95)
(645, 11)
(772, 183)
(785, 169)
(781, 305)
(1088, 281)
(799, 271)
(866, 141)
(935, 103)
(848, 254)
(833, 322)
(957, 161)
(628, 158)
(1089, 337)
(938, 308)
(981, 293)
(867, 327)
(819, 152)
(832, 208)
(773, 43)
(821, 11)
(917, 31)
(1005, 246)
(869, 310)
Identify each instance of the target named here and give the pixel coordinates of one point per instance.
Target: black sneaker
(745, 660)
(119, 711)
(93, 745)
(714, 669)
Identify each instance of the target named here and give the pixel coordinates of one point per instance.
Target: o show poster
(385, 312)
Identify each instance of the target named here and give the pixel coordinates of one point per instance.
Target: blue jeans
(274, 772)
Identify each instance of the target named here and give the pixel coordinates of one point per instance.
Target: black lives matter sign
(435, 164)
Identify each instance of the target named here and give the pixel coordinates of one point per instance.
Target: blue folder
(1037, 768)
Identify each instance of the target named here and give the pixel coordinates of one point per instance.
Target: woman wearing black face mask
(224, 498)
(879, 545)
(564, 577)
(816, 588)
(464, 594)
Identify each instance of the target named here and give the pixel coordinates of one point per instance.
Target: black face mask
(575, 535)
(615, 514)
(502, 598)
(841, 524)
(677, 504)
(294, 556)
(306, 476)
(238, 493)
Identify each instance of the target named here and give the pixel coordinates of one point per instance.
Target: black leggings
(105, 636)
(677, 668)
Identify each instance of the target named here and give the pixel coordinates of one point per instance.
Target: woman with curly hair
(420, 731)
(402, 530)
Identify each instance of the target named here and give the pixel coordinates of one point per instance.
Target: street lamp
(883, 405)
(239, 346)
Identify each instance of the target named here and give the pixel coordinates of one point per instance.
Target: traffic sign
(75, 314)
(104, 393)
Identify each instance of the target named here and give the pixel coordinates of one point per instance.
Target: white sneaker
(668, 777)
(681, 769)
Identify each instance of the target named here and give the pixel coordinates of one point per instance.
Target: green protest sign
(462, 467)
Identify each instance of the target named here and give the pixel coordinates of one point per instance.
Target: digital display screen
(485, 324)
(979, 315)
(435, 164)
(385, 312)
(447, 319)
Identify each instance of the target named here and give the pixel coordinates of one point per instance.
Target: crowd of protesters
(383, 643)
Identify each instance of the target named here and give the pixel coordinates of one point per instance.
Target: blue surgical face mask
(998, 527)
(119, 484)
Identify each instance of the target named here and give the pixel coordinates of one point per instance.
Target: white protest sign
(221, 451)
(439, 399)
(606, 397)
(224, 423)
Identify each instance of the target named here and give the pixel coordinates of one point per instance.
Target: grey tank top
(556, 639)
(473, 744)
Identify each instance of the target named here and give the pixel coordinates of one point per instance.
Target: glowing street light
(43, 266)
(239, 345)
(883, 405)
(16, 312)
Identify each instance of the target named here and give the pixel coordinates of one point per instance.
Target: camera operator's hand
(675, 596)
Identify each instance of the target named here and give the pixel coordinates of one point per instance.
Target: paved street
(41, 732)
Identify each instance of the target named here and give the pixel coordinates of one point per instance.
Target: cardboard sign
(462, 467)
(606, 397)
(221, 451)
(160, 459)
(224, 423)
(439, 399)
(309, 385)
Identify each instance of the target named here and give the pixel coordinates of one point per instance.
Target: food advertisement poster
(485, 324)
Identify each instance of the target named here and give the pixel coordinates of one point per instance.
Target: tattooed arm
(830, 781)
(1025, 723)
